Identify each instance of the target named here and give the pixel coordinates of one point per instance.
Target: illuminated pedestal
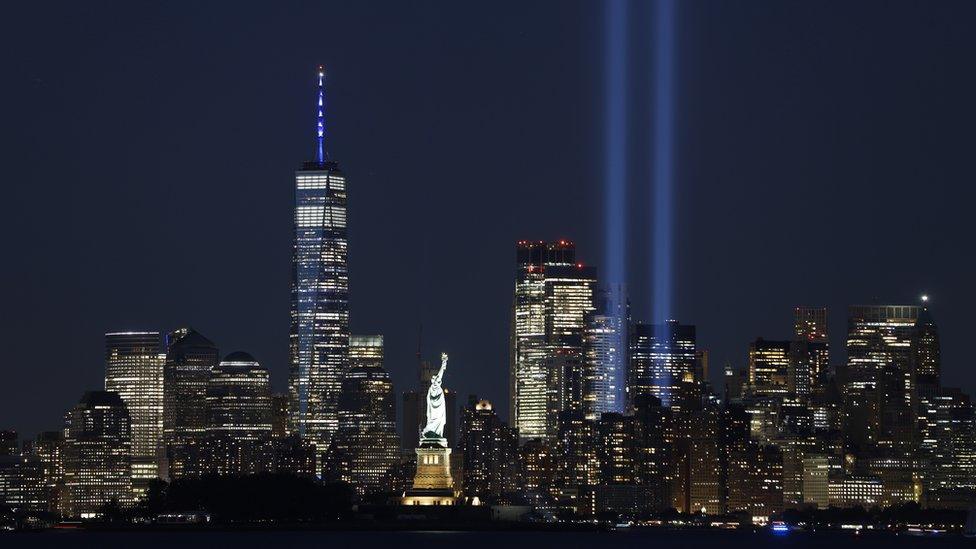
(432, 485)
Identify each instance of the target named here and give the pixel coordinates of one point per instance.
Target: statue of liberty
(436, 408)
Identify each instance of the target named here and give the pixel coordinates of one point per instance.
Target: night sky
(824, 155)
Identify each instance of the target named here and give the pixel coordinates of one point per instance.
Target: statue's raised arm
(440, 373)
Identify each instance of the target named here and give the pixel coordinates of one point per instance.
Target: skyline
(432, 300)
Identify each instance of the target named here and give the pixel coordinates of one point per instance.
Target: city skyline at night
(692, 264)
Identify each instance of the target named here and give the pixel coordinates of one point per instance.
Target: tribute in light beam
(663, 170)
(615, 182)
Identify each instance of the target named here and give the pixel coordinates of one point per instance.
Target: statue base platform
(433, 484)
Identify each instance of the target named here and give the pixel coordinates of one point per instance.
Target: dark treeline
(909, 513)
(251, 498)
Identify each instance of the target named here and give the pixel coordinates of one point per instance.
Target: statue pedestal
(432, 485)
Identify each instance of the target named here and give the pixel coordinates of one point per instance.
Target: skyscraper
(319, 339)
(190, 357)
(879, 388)
(489, 452)
(238, 417)
(769, 364)
(365, 448)
(97, 455)
(552, 298)
(134, 370)
(239, 399)
(810, 326)
(605, 349)
(661, 357)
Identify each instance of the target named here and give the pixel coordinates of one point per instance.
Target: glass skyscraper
(662, 356)
(190, 358)
(553, 295)
(97, 455)
(365, 448)
(319, 338)
(134, 370)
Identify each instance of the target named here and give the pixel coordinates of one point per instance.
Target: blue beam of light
(615, 138)
(615, 64)
(663, 170)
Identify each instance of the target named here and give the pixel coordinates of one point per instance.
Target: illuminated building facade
(855, 491)
(239, 399)
(190, 357)
(319, 338)
(697, 456)
(97, 455)
(553, 296)
(769, 364)
(134, 369)
(810, 328)
(605, 355)
(661, 358)
(538, 468)
(576, 459)
(489, 453)
(816, 481)
(952, 453)
(366, 446)
(279, 415)
(878, 392)
(48, 447)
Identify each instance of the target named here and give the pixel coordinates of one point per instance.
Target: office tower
(697, 458)
(952, 467)
(415, 410)
(319, 339)
(134, 370)
(577, 463)
(489, 452)
(365, 448)
(878, 391)
(621, 454)
(800, 379)
(22, 485)
(795, 446)
(753, 470)
(605, 353)
(927, 359)
(238, 433)
(279, 415)
(190, 357)
(48, 447)
(769, 364)
(816, 481)
(239, 399)
(661, 359)
(538, 469)
(97, 455)
(553, 295)
(926, 365)
(810, 326)
(653, 441)
(9, 460)
(478, 421)
(810, 323)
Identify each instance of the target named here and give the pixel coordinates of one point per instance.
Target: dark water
(655, 539)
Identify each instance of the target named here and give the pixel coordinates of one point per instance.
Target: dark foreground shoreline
(360, 536)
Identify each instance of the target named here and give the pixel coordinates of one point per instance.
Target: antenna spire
(320, 127)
